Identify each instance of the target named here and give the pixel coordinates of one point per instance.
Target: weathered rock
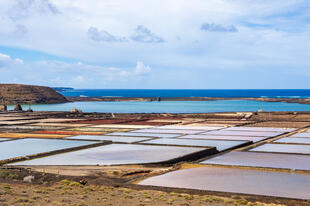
(29, 178)
(28, 94)
(3, 108)
(83, 182)
(74, 110)
(18, 107)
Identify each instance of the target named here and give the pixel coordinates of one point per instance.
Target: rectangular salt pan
(98, 129)
(283, 148)
(3, 139)
(219, 144)
(169, 131)
(243, 133)
(54, 120)
(13, 122)
(190, 127)
(123, 126)
(260, 129)
(293, 140)
(257, 182)
(24, 147)
(60, 125)
(109, 138)
(215, 137)
(306, 134)
(136, 134)
(259, 159)
(30, 127)
(115, 154)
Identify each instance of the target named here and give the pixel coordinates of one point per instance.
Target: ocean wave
(292, 97)
(111, 96)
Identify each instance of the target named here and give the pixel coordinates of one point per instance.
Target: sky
(156, 44)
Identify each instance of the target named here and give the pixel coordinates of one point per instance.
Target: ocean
(272, 93)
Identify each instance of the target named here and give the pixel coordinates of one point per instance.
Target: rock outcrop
(3, 108)
(18, 107)
(29, 94)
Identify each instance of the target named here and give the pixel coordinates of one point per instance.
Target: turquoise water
(172, 106)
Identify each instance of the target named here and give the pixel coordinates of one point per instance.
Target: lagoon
(172, 106)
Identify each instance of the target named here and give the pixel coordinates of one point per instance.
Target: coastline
(148, 99)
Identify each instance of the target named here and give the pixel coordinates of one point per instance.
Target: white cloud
(6, 61)
(22, 9)
(59, 73)
(142, 69)
(20, 30)
(141, 34)
(218, 28)
(96, 35)
(61, 28)
(144, 35)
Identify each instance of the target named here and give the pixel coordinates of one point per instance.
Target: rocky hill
(29, 94)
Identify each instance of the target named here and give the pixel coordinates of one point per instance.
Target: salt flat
(233, 180)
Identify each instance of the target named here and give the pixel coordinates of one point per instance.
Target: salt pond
(23, 147)
(283, 148)
(219, 144)
(259, 159)
(293, 140)
(207, 128)
(3, 139)
(244, 133)
(226, 137)
(305, 134)
(169, 131)
(115, 154)
(259, 182)
(109, 138)
(262, 129)
(140, 134)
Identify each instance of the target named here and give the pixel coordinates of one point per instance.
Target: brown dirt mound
(28, 94)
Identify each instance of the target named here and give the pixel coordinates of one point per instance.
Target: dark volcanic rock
(18, 107)
(28, 94)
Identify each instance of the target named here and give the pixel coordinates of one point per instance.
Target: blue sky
(177, 44)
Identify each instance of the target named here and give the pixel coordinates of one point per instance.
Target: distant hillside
(29, 94)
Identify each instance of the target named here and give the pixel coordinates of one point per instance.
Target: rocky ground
(26, 187)
(29, 94)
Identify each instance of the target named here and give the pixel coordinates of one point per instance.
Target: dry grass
(71, 193)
